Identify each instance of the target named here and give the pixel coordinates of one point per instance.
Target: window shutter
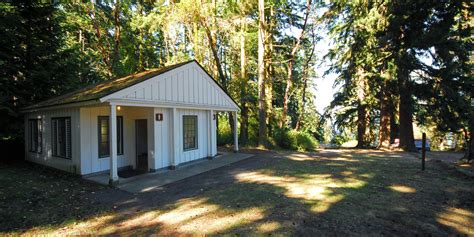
(54, 134)
(30, 135)
(68, 138)
(40, 135)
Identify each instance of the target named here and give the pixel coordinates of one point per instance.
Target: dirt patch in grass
(453, 159)
(336, 192)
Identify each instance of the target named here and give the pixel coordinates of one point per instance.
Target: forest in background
(397, 62)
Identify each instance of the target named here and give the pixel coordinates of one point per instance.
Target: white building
(156, 119)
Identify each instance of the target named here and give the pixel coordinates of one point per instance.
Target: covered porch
(156, 138)
(154, 181)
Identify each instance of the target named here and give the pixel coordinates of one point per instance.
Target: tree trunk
(262, 116)
(407, 141)
(244, 121)
(384, 131)
(470, 140)
(231, 124)
(291, 62)
(117, 33)
(393, 125)
(305, 85)
(141, 63)
(269, 69)
(361, 126)
(104, 52)
(362, 118)
(222, 76)
(215, 54)
(303, 104)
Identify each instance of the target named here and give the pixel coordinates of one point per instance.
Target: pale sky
(324, 84)
(323, 90)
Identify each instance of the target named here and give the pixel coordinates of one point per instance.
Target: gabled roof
(102, 89)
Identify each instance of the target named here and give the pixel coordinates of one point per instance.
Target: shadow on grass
(356, 192)
(35, 196)
(297, 193)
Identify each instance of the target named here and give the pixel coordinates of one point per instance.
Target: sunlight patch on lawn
(218, 223)
(326, 203)
(347, 173)
(316, 189)
(186, 210)
(461, 220)
(268, 227)
(186, 217)
(402, 188)
(81, 228)
(367, 175)
(300, 158)
(343, 159)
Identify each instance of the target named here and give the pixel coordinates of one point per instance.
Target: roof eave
(60, 106)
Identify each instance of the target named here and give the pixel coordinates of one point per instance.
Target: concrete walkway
(153, 181)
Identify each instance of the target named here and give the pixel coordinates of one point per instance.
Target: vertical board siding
(202, 136)
(162, 93)
(200, 86)
(72, 165)
(180, 88)
(187, 85)
(90, 160)
(162, 139)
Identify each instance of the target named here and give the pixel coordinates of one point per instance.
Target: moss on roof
(99, 90)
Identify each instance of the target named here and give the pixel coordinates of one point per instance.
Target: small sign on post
(423, 151)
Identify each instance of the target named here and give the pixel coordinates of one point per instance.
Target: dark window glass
(103, 136)
(104, 142)
(119, 135)
(35, 135)
(190, 132)
(61, 137)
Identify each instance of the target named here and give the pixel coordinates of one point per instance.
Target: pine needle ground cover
(345, 192)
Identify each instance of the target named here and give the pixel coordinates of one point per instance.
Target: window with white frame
(61, 137)
(190, 132)
(104, 141)
(35, 135)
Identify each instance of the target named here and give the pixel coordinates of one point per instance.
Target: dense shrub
(339, 139)
(224, 135)
(295, 140)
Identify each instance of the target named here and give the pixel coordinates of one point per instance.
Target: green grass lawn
(329, 192)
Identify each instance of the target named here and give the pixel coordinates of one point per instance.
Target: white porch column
(236, 132)
(113, 179)
(209, 141)
(212, 133)
(175, 135)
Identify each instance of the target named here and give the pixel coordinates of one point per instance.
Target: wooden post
(423, 151)
(175, 138)
(213, 133)
(113, 179)
(236, 136)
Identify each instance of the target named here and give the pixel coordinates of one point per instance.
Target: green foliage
(35, 62)
(224, 133)
(50, 48)
(295, 140)
(401, 50)
(339, 139)
(58, 47)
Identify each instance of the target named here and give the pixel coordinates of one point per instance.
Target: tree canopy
(398, 62)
